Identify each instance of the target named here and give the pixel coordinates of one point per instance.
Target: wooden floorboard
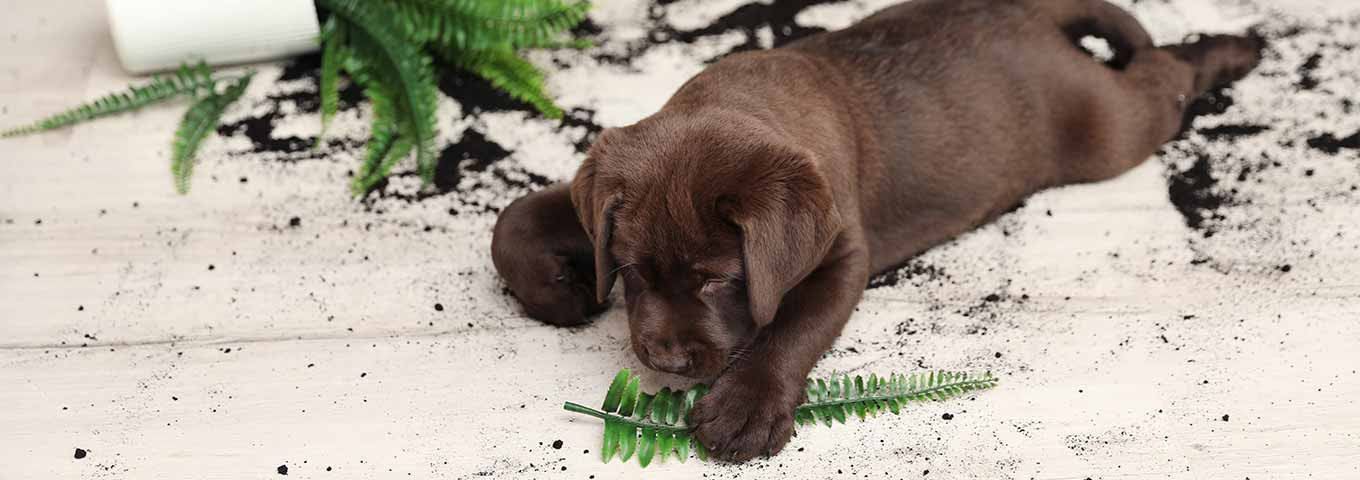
(268, 319)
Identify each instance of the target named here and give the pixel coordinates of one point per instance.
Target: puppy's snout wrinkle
(667, 356)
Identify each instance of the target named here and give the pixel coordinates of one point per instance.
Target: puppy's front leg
(749, 410)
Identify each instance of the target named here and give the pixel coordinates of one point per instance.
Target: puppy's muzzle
(667, 357)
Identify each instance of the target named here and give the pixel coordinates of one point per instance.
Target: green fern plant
(388, 48)
(655, 426)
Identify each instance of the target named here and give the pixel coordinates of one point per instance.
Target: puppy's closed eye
(633, 276)
(715, 286)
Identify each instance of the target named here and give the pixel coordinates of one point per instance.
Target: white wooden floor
(214, 336)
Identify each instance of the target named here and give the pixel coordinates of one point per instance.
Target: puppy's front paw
(745, 416)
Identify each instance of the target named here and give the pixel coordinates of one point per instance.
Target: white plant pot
(156, 35)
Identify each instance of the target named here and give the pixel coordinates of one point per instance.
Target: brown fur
(747, 215)
(545, 258)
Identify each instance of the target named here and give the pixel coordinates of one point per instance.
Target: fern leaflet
(201, 119)
(333, 36)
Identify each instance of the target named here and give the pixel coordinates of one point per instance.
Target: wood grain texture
(215, 336)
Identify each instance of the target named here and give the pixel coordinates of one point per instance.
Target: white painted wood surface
(204, 337)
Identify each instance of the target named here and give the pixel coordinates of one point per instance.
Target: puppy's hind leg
(1150, 96)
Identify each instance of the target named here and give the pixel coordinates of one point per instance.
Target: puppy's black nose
(668, 359)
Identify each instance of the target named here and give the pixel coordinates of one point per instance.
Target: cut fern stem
(657, 424)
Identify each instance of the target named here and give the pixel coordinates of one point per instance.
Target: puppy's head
(710, 221)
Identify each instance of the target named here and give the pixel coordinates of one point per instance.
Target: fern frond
(333, 36)
(187, 81)
(404, 67)
(383, 134)
(386, 128)
(201, 119)
(868, 397)
(508, 72)
(482, 24)
(651, 425)
(571, 44)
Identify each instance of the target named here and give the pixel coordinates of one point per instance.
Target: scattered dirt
(1329, 143)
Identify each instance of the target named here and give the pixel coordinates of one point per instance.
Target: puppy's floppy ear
(596, 213)
(788, 221)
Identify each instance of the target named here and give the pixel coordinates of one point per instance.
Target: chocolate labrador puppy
(747, 215)
(546, 258)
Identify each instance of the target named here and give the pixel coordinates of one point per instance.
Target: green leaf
(664, 443)
(692, 395)
(615, 393)
(504, 69)
(682, 440)
(187, 81)
(657, 416)
(200, 120)
(647, 447)
(627, 441)
(678, 408)
(482, 24)
(377, 38)
(572, 44)
(661, 405)
(629, 399)
(611, 440)
(644, 406)
(333, 37)
(387, 145)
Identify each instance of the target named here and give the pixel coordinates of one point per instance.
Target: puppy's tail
(1082, 18)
